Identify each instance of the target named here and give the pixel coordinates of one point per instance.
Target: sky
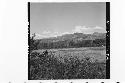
(55, 19)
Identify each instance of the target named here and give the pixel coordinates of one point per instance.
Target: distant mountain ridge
(75, 36)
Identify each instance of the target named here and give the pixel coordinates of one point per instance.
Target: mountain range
(75, 37)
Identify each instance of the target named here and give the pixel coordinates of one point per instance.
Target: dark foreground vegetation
(45, 66)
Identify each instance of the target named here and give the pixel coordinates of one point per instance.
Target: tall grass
(47, 66)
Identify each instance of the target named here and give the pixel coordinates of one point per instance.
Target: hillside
(73, 40)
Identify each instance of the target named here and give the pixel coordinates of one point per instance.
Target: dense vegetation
(45, 66)
(71, 44)
(75, 40)
(48, 67)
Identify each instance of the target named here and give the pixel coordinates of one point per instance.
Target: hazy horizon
(56, 19)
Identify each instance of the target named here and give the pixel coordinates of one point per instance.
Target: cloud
(89, 30)
(78, 29)
(66, 33)
(39, 36)
(46, 32)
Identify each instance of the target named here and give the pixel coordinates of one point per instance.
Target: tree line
(39, 44)
(72, 44)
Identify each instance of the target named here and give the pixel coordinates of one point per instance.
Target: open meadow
(69, 63)
(93, 54)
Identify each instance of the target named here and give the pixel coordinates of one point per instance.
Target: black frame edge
(28, 40)
(108, 40)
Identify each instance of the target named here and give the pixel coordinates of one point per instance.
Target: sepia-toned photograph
(68, 40)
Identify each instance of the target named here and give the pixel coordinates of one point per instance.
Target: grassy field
(95, 54)
(69, 63)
